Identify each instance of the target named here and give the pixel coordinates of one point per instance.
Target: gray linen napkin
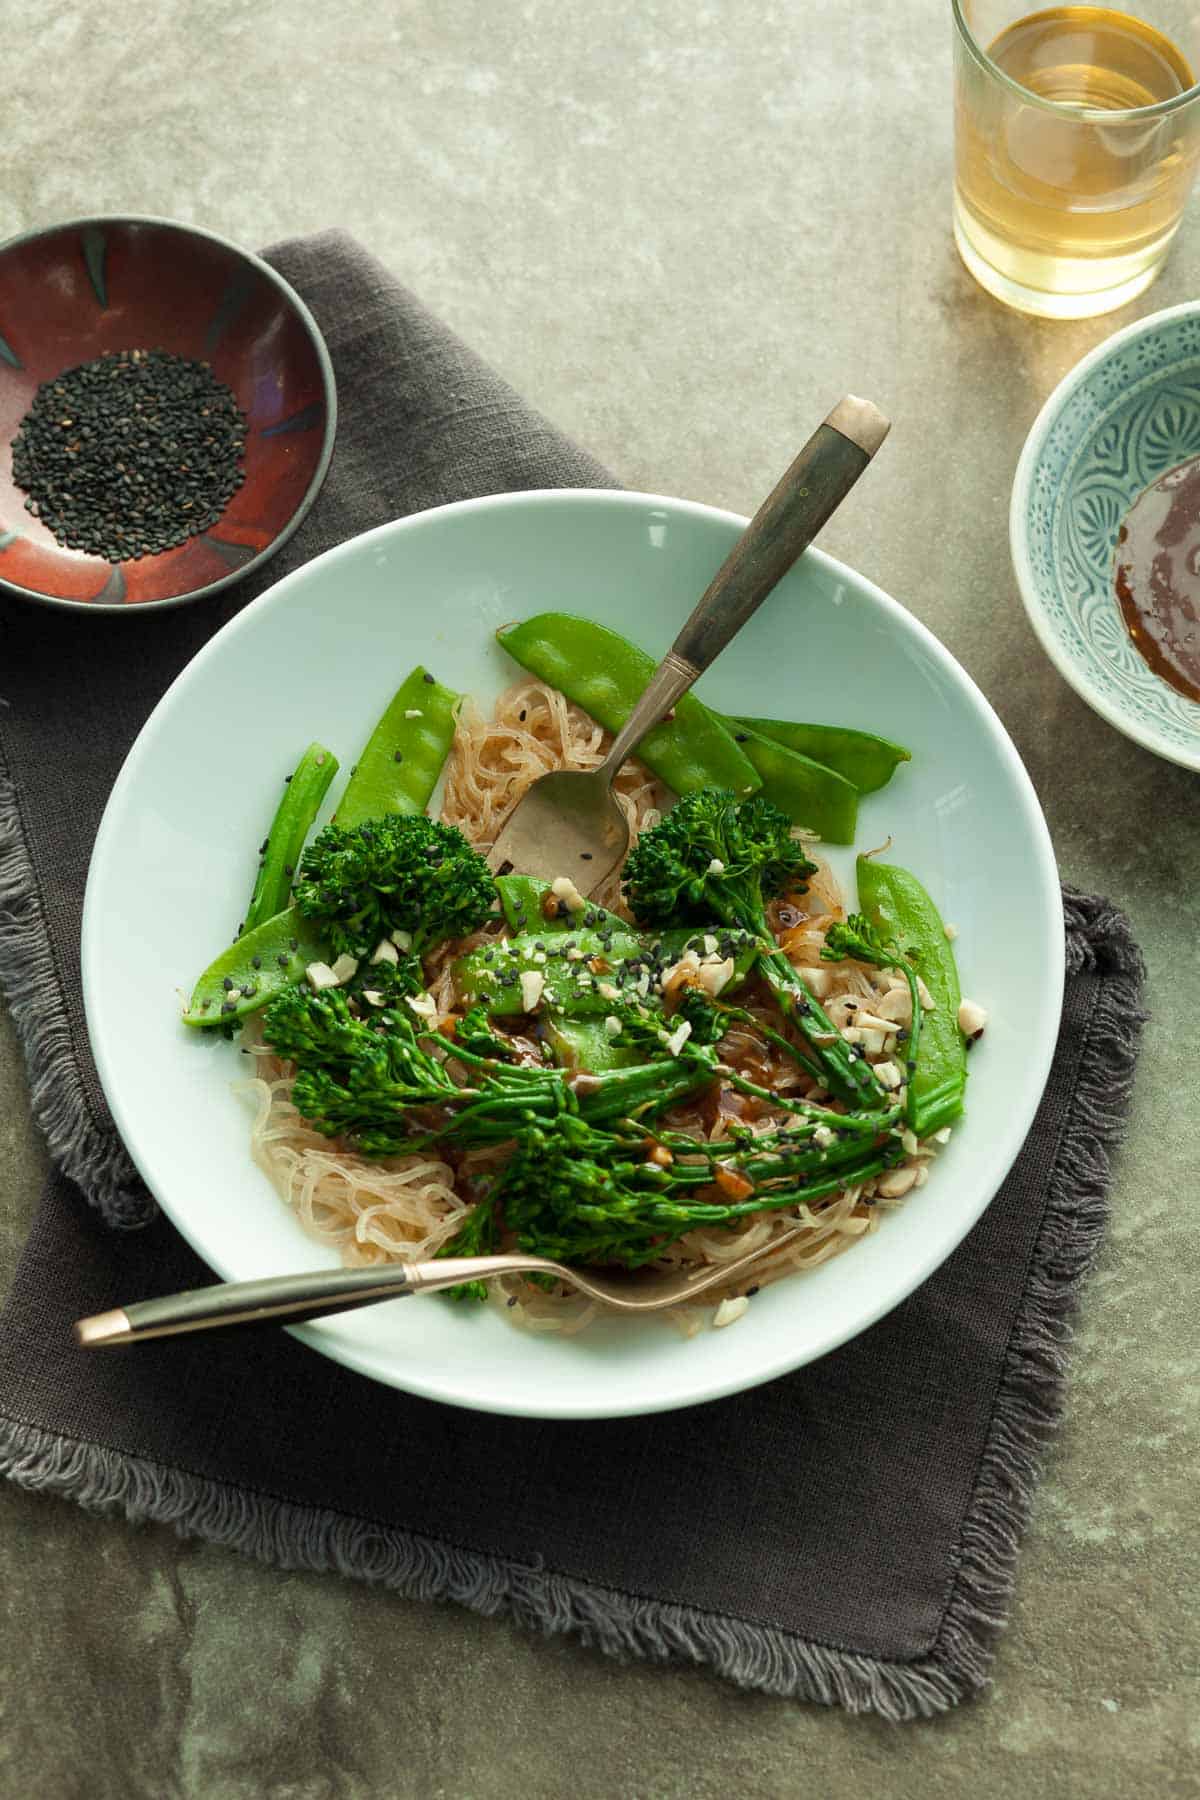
(847, 1534)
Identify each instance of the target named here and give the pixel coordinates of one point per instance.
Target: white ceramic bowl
(1121, 418)
(318, 656)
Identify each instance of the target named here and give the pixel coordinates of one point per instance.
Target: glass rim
(1083, 115)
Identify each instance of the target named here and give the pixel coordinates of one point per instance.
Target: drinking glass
(1077, 135)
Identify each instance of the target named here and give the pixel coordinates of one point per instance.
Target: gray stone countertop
(682, 229)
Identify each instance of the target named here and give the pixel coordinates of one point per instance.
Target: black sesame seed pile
(130, 454)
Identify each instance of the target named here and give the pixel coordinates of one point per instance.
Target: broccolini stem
(872, 1122)
(691, 1214)
(848, 1076)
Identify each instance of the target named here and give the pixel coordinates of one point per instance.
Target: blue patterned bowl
(1123, 416)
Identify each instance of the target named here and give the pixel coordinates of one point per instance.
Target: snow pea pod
(306, 788)
(250, 972)
(525, 901)
(399, 769)
(900, 909)
(810, 794)
(580, 1044)
(604, 674)
(858, 756)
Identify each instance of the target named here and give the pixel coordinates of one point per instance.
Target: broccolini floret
(402, 873)
(716, 857)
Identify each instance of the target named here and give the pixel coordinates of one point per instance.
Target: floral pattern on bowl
(1122, 417)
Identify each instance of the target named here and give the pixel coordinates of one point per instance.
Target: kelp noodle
(407, 1207)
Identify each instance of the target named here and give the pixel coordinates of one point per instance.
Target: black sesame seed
(397, 756)
(284, 961)
(293, 943)
(227, 1006)
(227, 983)
(288, 870)
(428, 678)
(179, 438)
(585, 856)
(256, 962)
(743, 737)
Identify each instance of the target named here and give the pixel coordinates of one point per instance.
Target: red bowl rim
(328, 384)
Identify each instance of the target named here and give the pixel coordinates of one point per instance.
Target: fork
(289, 1299)
(569, 823)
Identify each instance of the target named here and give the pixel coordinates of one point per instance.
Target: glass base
(1060, 303)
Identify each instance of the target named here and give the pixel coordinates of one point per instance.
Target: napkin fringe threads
(1027, 1409)
(95, 1159)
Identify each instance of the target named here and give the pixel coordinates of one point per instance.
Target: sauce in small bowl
(1158, 576)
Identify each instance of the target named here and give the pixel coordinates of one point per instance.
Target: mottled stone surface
(682, 229)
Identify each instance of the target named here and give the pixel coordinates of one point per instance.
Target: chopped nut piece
(532, 983)
(565, 890)
(971, 1019)
(732, 1183)
(715, 976)
(730, 1311)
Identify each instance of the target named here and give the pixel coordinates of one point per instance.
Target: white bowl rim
(891, 1293)
(1137, 730)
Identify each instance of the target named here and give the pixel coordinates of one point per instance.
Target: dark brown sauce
(1158, 576)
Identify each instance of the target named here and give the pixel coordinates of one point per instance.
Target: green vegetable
(403, 873)
(584, 1044)
(525, 902)
(280, 853)
(858, 756)
(492, 974)
(715, 856)
(260, 964)
(902, 914)
(399, 769)
(583, 1195)
(810, 795)
(362, 1078)
(605, 674)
